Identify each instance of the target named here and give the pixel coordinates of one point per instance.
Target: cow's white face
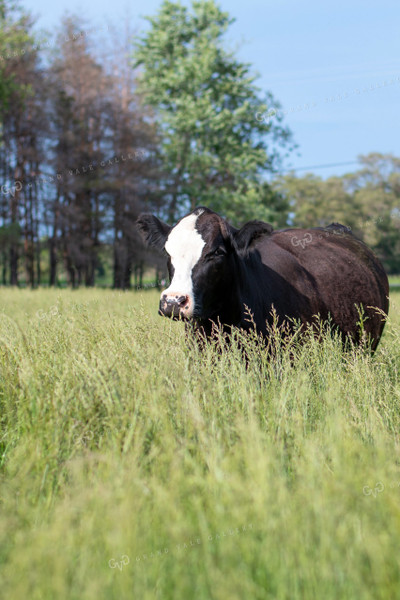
(184, 247)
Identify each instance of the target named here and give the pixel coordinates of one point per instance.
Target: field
(135, 467)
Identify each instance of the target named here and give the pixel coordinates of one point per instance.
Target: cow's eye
(216, 253)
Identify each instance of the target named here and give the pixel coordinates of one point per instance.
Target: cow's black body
(300, 273)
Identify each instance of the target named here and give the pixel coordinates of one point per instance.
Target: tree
(102, 165)
(22, 129)
(376, 189)
(213, 148)
(134, 180)
(315, 202)
(80, 123)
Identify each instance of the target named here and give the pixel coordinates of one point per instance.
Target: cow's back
(326, 271)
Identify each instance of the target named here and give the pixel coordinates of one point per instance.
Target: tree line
(78, 156)
(94, 129)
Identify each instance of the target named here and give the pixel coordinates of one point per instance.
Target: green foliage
(212, 146)
(316, 202)
(16, 46)
(10, 234)
(377, 193)
(135, 466)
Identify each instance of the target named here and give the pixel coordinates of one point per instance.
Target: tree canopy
(213, 149)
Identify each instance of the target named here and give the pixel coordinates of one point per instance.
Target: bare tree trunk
(79, 278)
(141, 275)
(4, 269)
(92, 258)
(53, 243)
(28, 243)
(52, 261)
(13, 254)
(13, 265)
(38, 266)
(37, 247)
(69, 267)
(116, 267)
(14, 198)
(127, 273)
(90, 271)
(29, 263)
(31, 222)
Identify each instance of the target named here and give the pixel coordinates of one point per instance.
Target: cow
(220, 274)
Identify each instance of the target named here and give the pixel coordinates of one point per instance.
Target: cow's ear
(153, 231)
(251, 231)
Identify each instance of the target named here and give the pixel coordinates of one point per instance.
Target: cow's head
(203, 252)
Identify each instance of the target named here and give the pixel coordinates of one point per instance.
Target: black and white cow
(218, 271)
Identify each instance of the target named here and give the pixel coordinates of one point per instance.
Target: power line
(352, 162)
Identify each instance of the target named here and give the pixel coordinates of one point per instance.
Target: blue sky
(340, 58)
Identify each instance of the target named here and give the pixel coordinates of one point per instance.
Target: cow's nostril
(182, 300)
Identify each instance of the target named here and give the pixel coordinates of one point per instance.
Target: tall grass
(134, 465)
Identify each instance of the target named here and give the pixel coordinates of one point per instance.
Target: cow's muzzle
(174, 306)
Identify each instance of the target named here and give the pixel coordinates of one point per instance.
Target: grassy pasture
(135, 467)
